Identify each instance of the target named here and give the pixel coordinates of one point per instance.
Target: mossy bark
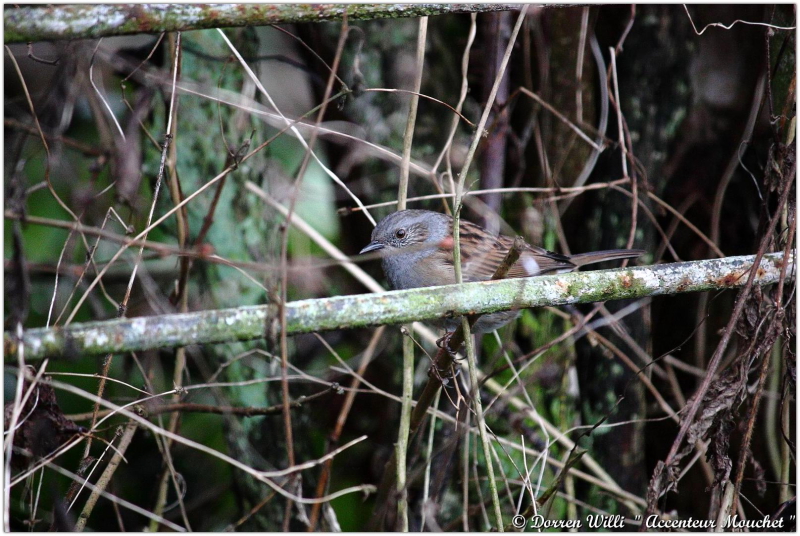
(397, 307)
(92, 21)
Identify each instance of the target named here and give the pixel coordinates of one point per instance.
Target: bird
(416, 249)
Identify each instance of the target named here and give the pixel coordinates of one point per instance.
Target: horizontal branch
(398, 307)
(101, 20)
(242, 411)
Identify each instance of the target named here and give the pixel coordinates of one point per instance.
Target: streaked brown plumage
(417, 251)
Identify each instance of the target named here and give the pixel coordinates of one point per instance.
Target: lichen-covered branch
(398, 307)
(53, 22)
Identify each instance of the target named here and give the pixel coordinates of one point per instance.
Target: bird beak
(372, 246)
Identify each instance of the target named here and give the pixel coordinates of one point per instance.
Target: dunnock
(417, 251)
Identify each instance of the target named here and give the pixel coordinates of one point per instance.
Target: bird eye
(400, 233)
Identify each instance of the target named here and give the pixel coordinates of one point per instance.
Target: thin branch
(408, 135)
(13, 419)
(775, 329)
(596, 146)
(458, 201)
(121, 502)
(731, 25)
(259, 475)
(322, 482)
(84, 148)
(618, 104)
(124, 304)
(416, 94)
(572, 191)
(42, 137)
(690, 225)
(403, 432)
(241, 411)
(181, 298)
(100, 93)
(602, 124)
(461, 98)
(105, 478)
(293, 128)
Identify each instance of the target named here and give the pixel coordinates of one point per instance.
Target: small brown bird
(417, 251)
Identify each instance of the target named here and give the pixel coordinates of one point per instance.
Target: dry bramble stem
(442, 362)
(397, 307)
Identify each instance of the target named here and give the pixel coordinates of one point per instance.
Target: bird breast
(423, 268)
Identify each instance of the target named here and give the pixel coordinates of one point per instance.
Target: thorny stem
(716, 359)
(777, 324)
(443, 361)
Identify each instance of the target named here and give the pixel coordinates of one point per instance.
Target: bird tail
(582, 259)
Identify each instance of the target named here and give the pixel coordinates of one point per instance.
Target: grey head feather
(406, 237)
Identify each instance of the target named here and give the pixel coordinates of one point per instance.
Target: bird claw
(444, 343)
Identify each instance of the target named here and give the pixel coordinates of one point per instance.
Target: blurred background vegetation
(703, 115)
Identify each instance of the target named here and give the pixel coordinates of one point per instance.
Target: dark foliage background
(709, 123)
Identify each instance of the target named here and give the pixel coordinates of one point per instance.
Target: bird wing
(480, 262)
(482, 253)
(538, 261)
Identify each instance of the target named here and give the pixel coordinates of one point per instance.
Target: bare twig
(419, 95)
(401, 449)
(105, 478)
(731, 25)
(461, 98)
(366, 357)
(181, 298)
(602, 124)
(100, 93)
(123, 304)
(573, 191)
(408, 135)
(563, 119)
(248, 411)
(294, 129)
(122, 502)
(259, 475)
(86, 149)
(458, 201)
(12, 426)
